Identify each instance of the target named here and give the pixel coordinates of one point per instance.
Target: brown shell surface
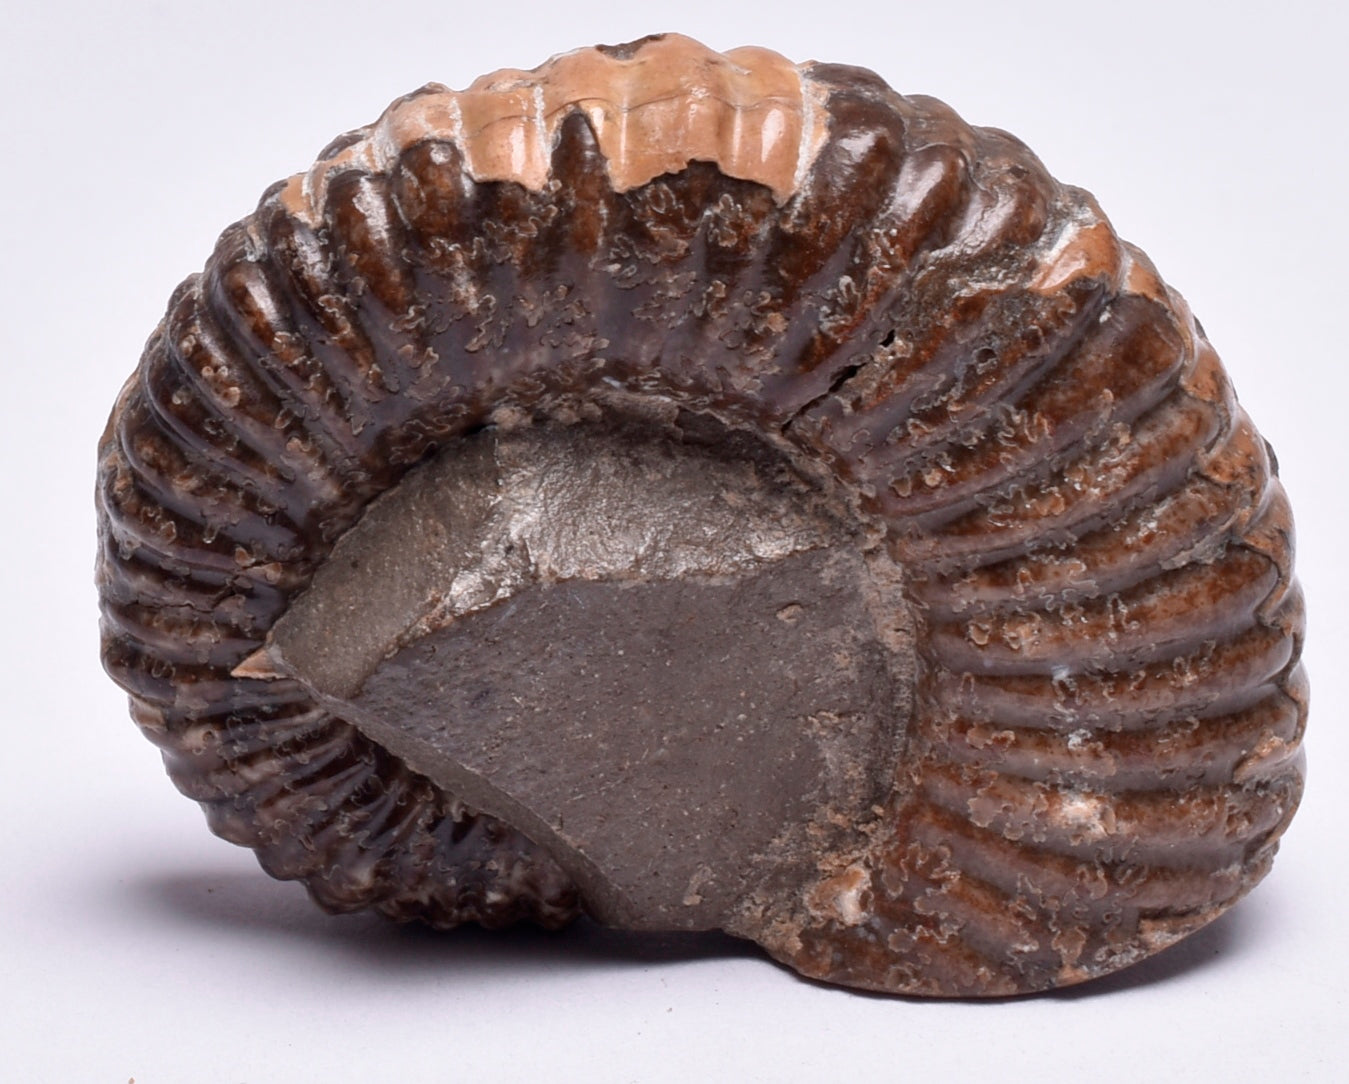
(1105, 746)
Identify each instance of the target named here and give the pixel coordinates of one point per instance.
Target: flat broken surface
(654, 649)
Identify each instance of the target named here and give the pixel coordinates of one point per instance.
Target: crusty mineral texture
(710, 492)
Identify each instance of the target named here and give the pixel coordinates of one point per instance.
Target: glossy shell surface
(1104, 744)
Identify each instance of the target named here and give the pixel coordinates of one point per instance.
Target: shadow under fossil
(252, 906)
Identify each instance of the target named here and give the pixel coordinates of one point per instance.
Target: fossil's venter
(710, 492)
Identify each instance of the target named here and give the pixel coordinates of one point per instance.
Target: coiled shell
(1104, 743)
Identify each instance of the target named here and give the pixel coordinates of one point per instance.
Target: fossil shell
(1102, 741)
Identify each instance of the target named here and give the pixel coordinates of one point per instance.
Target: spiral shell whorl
(1105, 744)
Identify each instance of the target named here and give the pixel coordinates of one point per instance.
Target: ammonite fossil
(710, 492)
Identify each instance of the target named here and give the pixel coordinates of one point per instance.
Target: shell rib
(1105, 742)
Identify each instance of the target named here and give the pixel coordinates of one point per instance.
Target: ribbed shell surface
(1105, 744)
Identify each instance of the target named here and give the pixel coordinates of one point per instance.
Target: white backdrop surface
(135, 945)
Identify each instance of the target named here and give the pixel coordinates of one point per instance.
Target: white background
(135, 944)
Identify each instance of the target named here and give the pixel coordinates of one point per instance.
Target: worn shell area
(1105, 747)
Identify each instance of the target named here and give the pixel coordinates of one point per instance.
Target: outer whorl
(1096, 748)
